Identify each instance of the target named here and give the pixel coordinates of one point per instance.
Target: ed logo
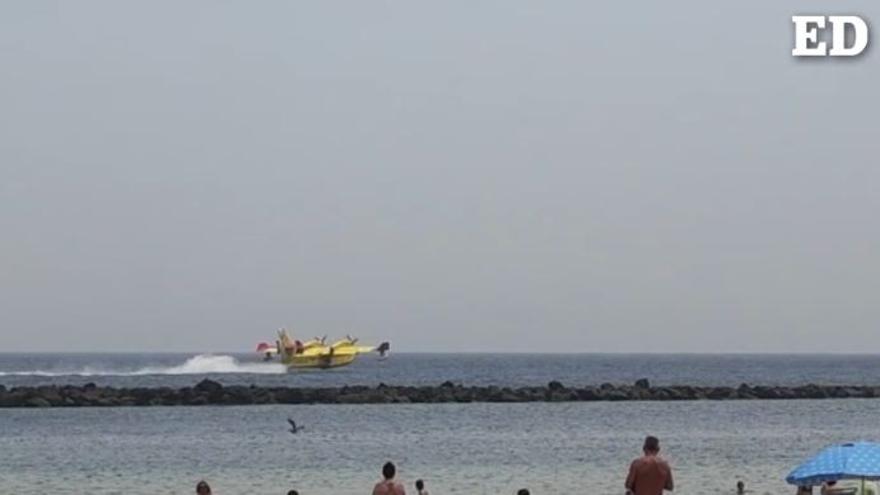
(808, 27)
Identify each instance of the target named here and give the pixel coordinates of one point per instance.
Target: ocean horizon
(502, 369)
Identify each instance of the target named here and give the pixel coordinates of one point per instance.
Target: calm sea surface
(457, 448)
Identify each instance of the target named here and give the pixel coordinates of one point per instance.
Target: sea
(550, 448)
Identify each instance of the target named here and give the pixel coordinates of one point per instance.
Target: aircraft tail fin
(383, 349)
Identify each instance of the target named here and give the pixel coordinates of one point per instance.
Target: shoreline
(209, 392)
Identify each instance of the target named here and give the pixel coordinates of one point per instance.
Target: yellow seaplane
(315, 353)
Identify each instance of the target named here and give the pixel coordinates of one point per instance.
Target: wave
(197, 365)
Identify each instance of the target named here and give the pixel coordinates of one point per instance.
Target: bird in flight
(293, 428)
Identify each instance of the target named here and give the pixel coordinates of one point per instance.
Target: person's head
(420, 485)
(293, 492)
(523, 491)
(652, 445)
(202, 488)
(388, 470)
(740, 486)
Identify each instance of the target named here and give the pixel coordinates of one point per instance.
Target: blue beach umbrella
(859, 460)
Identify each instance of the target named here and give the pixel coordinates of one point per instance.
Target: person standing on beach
(388, 486)
(649, 474)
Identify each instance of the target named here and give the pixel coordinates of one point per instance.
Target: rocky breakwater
(210, 392)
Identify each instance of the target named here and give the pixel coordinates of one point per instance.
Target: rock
(37, 402)
(211, 392)
(855, 392)
(678, 393)
(284, 396)
(588, 393)
(209, 386)
(617, 395)
(508, 395)
(533, 394)
(720, 393)
(812, 392)
(661, 394)
(358, 398)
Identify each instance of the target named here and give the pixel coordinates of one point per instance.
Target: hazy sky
(450, 175)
